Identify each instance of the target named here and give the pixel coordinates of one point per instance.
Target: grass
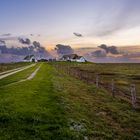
(123, 74)
(33, 110)
(56, 106)
(101, 115)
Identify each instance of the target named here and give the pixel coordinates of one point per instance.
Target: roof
(28, 57)
(70, 56)
(79, 57)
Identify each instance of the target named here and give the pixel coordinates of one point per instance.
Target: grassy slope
(102, 116)
(31, 110)
(56, 106)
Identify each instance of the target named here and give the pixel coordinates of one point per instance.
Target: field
(62, 102)
(122, 76)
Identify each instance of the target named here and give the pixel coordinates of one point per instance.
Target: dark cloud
(2, 42)
(104, 51)
(109, 49)
(3, 49)
(36, 44)
(113, 50)
(39, 50)
(99, 53)
(6, 34)
(24, 41)
(64, 49)
(35, 35)
(34, 48)
(78, 34)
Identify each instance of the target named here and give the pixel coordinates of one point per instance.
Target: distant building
(30, 58)
(52, 60)
(81, 59)
(42, 60)
(73, 58)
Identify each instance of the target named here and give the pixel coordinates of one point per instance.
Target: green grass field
(123, 74)
(57, 106)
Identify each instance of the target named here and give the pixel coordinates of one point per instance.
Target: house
(30, 58)
(73, 58)
(81, 59)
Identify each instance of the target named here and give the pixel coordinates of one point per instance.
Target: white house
(81, 59)
(30, 58)
(73, 58)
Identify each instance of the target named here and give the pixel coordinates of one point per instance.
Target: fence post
(97, 80)
(113, 88)
(133, 95)
(68, 69)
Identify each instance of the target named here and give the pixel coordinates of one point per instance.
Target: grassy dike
(55, 106)
(33, 109)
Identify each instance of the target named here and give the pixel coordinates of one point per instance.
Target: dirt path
(11, 72)
(33, 74)
(8, 71)
(28, 78)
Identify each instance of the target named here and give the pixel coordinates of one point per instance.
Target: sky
(112, 22)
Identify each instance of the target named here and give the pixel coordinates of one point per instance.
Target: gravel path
(33, 74)
(11, 72)
(29, 78)
(8, 71)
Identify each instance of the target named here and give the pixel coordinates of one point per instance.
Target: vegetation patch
(55, 105)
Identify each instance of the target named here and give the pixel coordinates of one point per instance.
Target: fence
(127, 92)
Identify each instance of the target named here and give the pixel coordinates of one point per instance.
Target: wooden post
(113, 88)
(133, 95)
(68, 70)
(80, 75)
(97, 80)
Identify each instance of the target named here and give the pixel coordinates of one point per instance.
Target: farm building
(73, 58)
(30, 58)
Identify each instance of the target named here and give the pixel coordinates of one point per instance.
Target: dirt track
(11, 72)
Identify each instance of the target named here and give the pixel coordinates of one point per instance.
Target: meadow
(122, 76)
(58, 105)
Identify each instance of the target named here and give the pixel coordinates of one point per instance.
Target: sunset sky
(114, 22)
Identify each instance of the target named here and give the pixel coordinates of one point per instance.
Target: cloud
(31, 48)
(8, 38)
(125, 16)
(24, 41)
(36, 44)
(38, 35)
(78, 34)
(2, 42)
(99, 53)
(6, 34)
(64, 49)
(109, 49)
(105, 51)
